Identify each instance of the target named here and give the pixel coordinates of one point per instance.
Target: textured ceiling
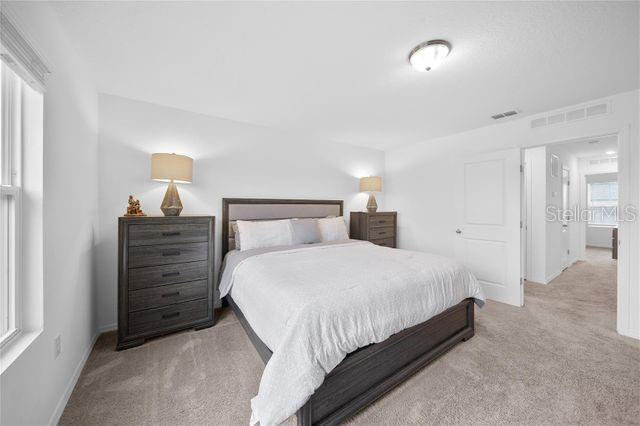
(339, 70)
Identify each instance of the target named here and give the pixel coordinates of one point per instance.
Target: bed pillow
(266, 233)
(333, 229)
(305, 231)
(236, 236)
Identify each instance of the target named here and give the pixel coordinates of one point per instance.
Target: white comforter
(313, 305)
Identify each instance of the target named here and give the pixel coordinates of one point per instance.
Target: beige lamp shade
(171, 167)
(371, 184)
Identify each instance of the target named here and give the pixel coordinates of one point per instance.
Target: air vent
(587, 112)
(577, 114)
(556, 119)
(539, 122)
(504, 115)
(595, 110)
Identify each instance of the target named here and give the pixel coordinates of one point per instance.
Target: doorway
(570, 214)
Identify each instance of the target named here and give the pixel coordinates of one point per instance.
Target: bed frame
(367, 373)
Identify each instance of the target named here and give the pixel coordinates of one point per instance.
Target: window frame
(10, 187)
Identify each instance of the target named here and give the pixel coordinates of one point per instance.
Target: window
(10, 202)
(603, 203)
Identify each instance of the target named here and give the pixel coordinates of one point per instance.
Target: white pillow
(305, 231)
(333, 229)
(268, 233)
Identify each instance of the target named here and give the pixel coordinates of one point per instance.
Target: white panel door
(488, 214)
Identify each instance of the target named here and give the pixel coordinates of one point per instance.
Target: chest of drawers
(165, 276)
(378, 227)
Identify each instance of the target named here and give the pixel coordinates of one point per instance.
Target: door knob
(458, 231)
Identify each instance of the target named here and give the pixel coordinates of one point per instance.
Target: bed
(363, 372)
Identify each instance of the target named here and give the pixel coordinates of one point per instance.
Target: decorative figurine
(133, 209)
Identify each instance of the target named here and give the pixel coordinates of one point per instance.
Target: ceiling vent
(504, 115)
(539, 122)
(583, 113)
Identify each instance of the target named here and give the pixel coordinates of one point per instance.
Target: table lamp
(371, 184)
(174, 169)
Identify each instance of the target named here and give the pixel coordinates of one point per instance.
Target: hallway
(590, 283)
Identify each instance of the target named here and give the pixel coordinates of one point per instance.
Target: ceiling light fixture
(429, 55)
(610, 152)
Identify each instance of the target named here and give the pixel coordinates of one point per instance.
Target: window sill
(14, 348)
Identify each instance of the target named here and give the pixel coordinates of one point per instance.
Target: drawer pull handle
(171, 252)
(171, 274)
(171, 315)
(382, 233)
(173, 294)
(171, 234)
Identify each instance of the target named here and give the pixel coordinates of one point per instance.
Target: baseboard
(553, 276)
(629, 333)
(108, 327)
(64, 398)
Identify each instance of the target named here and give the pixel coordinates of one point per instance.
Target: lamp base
(372, 205)
(171, 204)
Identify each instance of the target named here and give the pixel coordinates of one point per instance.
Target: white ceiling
(339, 70)
(589, 148)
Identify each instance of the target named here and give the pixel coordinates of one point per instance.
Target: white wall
(35, 386)
(546, 246)
(231, 159)
(554, 243)
(599, 236)
(417, 184)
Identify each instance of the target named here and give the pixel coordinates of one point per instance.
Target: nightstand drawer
(153, 276)
(384, 242)
(380, 220)
(167, 254)
(156, 297)
(142, 235)
(386, 232)
(167, 317)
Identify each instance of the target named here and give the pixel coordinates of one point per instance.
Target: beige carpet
(558, 360)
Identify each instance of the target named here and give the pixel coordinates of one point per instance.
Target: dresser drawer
(143, 235)
(170, 316)
(153, 276)
(156, 297)
(386, 232)
(381, 220)
(166, 254)
(384, 242)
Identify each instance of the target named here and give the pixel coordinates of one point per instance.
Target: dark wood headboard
(271, 209)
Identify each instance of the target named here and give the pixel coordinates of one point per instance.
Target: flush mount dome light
(429, 55)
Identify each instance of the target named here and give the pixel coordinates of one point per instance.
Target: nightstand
(378, 227)
(165, 276)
